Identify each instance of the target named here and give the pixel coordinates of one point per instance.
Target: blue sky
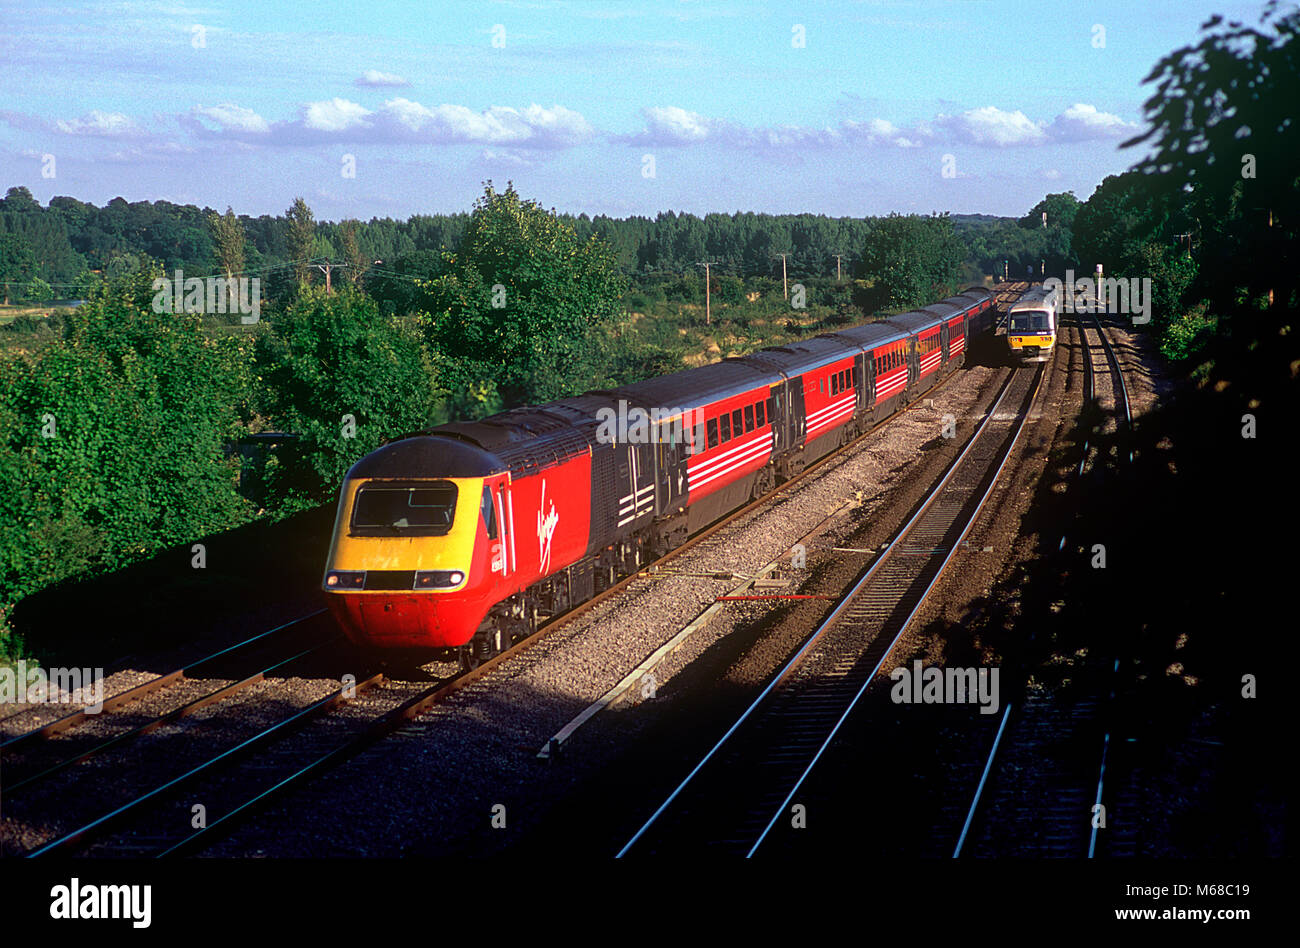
(843, 108)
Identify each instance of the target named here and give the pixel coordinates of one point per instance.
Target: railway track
(1043, 789)
(734, 799)
(200, 668)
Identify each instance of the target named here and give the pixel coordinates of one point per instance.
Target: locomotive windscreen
(391, 509)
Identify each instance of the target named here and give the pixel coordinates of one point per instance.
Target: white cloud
(1082, 122)
(101, 124)
(532, 126)
(879, 132)
(373, 78)
(231, 117)
(334, 115)
(671, 125)
(992, 126)
(557, 123)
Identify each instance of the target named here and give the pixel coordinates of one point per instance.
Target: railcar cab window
(758, 411)
(425, 509)
(1029, 322)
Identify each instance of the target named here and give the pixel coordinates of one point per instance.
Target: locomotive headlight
(438, 578)
(345, 579)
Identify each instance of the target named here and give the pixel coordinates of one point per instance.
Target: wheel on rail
(486, 643)
(468, 656)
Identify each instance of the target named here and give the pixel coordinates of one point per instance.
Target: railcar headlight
(438, 578)
(345, 579)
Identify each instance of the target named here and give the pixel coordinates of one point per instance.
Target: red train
(469, 535)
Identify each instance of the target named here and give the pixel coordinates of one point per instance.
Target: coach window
(713, 432)
(749, 418)
(736, 422)
(726, 428)
(758, 411)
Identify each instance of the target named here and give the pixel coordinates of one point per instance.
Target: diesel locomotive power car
(468, 535)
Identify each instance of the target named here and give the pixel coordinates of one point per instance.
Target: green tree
(1115, 222)
(908, 261)
(301, 239)
(356, 260)
(228, 236)
(1224, 144)
(523, 301)
(345, 380)
(17, 266)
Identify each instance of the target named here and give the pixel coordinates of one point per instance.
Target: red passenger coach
(732, 440)
(929, 352)
(956, 338)
(891, 370)
(829, 397)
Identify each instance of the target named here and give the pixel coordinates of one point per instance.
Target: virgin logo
(545, 531)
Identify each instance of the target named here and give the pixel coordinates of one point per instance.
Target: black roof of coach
(427, 456)
(942, 310)
(526, 439)
(796, 358)
(693, 388)
(872, 334)
(915, 321)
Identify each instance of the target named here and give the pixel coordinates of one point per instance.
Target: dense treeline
(70, 245)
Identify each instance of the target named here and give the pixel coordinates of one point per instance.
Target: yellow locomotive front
(411, 560)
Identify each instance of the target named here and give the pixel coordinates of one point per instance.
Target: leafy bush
(1185, 336)
(345, 380)
(113, 440)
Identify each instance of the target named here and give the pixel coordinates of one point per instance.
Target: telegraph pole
(837, 265)
(708, 316)
(784, 289)
(326, 268)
